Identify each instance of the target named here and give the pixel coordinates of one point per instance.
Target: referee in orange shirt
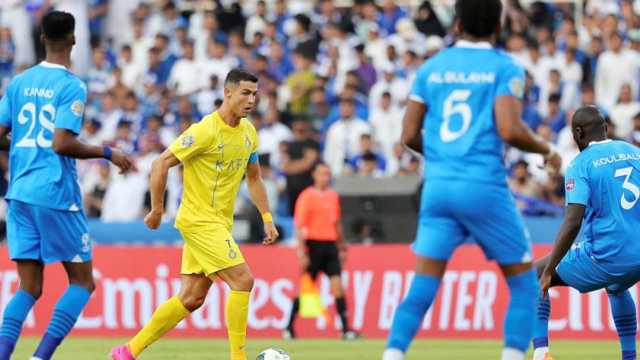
(321, 246)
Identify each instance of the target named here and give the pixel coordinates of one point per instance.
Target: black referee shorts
(323, 257)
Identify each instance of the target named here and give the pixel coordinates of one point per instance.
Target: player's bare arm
(65, 143)
(157, 185)
(412, 125)
(511, 128)
(258, 194)
(566, 236)
(5, 140)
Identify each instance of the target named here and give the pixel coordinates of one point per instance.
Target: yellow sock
(236, 310)
(165, 318)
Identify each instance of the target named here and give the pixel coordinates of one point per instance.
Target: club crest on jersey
(571, 184)
(187, 141)
(77, 108)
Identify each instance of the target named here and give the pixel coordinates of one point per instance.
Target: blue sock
(624, 315)
(541, 324)
(65, 314)
(409, 314)
(518, 322)
(14, 314)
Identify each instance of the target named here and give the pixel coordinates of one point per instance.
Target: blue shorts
(47, 235)
(451, 211)
(580, 271)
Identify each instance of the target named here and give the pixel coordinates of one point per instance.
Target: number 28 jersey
(459, 87)
(38, 101)
(605, 178)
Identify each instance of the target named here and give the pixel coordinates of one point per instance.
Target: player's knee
(87, 284)
(193, 302)
(34, 290)
(245, 282)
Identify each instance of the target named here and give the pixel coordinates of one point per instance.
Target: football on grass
(273, 354)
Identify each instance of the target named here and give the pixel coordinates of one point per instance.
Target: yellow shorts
(208, 251)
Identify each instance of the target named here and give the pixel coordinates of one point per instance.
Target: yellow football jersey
(215, 157)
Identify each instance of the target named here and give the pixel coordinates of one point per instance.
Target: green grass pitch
(201, 349)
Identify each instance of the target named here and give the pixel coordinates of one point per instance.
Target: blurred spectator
(13, 15)
(343, 137)
(218, 63)
(186, 74)
(99, 73)
(368, 165)
(300, 83)
(365, 71)
(98, 10)
(612, 72)
(388, 82)
(257, 22)
(7, 54)
(206, 98)
(271, 133)
(555, 118)
(90, 133)
(634, 138)
(427, 21)
(521, 182)
(132, 72)
(367, 150)
(386, 121)
(298, 160)
(623, 112)
(390, 16)
(94, 188)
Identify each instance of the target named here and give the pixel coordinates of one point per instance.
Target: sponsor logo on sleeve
(571, 184)
(516, 85)
(77, 108)
(187, 141)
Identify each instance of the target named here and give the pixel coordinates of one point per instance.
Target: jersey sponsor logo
(187, 141)
(516, 86)
(45, 93)
(77, 108)
(455, 77)
(571, 184)
(247, 142)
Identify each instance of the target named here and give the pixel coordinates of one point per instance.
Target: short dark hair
(235, 76)
(58, 25)
(479, 18)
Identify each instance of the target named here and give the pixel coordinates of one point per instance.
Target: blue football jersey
(605, 178)
(459, 87)
(39, 100)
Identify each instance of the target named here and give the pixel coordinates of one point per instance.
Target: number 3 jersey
(605, 178)
(37, 101)
(459, 87)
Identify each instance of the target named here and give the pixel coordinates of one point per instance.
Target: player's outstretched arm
(65, 143)
(511, 128)
(157, 185)
(258, 194)
(566, 236)
(412, 125)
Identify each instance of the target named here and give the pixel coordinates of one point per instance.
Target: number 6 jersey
(37, 101)
(459, 87)
(605, 178)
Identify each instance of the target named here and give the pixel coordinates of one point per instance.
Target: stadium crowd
(333, 83)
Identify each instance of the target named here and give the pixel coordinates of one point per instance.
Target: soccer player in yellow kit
(215, 153)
